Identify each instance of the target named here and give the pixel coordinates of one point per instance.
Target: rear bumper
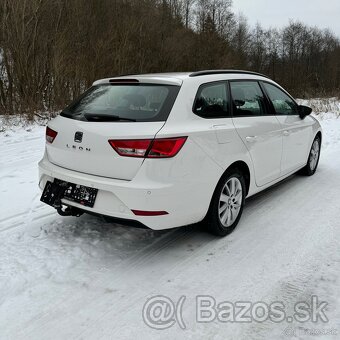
(117, 198)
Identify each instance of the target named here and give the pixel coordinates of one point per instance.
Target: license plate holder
(55, 191)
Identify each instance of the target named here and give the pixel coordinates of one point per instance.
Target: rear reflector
(149, 213)
(50, 135)
(149, 148)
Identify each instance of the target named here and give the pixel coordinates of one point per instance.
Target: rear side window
(282, 103)
(135, 102)
(212, 101)
(247, 98)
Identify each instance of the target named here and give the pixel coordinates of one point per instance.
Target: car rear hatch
(109, 112)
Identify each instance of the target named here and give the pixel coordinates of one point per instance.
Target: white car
(168, 150)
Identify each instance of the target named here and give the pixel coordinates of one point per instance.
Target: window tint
(211, 101)
(282, 103)
(248, 99)
(140, 102)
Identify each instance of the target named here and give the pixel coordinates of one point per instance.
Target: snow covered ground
(83, 278)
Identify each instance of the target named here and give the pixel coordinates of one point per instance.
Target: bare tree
(52, 50)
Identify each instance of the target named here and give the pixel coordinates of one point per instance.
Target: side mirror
(304, 111)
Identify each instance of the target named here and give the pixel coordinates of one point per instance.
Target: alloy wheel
(314, 155)
(230, 202)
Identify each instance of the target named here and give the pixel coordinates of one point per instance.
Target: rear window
(124, 102)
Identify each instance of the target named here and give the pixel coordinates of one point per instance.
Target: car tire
(227, 204)
(313, 158)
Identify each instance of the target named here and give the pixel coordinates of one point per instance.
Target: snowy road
(69, 278)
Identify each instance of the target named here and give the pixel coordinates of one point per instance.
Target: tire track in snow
(130, 265)
(133, 266)
(34, 214)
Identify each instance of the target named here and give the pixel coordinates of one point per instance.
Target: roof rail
(208, 72)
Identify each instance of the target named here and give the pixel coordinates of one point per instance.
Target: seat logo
(78, 137)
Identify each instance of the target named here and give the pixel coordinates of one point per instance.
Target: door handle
(286, 133)
(251, 139)
(220, 127)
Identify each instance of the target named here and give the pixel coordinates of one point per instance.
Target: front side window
(211, 101)
(282, 103)
(136, 102)
(247, 99)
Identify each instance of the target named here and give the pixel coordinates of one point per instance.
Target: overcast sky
(276, 13)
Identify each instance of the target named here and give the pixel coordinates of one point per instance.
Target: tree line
(52, 50)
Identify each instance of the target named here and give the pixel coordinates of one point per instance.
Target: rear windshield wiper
(97, 117)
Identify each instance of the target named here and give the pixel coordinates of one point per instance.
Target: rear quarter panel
(216, 138)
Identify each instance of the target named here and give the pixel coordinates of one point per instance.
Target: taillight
(149, 148)
(131, 148)
(166, 147)
(50, 135)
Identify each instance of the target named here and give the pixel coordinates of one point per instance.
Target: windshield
(124, 102)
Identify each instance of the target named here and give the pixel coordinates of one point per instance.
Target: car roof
(177, 78)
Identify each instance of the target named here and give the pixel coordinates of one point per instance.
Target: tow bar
(65, 210)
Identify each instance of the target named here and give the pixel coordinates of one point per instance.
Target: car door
(296, 132)
(260, 132)
(213, 130)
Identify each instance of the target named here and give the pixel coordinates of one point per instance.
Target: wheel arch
(239, 165)
(319, 134)
(244, 168)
